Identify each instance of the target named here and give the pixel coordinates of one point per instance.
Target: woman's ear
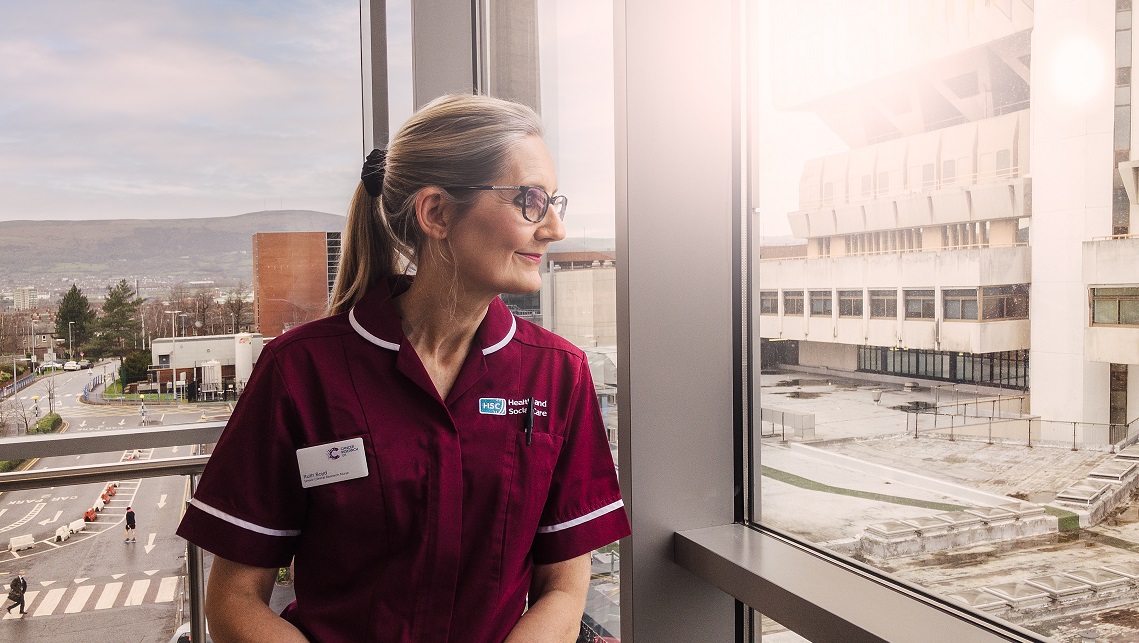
(433, 212)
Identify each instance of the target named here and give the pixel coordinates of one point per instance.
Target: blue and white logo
(492, 406)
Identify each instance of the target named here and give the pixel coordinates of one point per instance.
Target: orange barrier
(90, 515)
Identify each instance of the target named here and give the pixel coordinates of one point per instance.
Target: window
(1004, 302)
(960, 304)
(793, 302)
(884, 304)
(821, 303)
(769, 302)
(850, 303)
(1115, 306)
(919, 304)
(947, 171)
(1004, 162)
(928, 177)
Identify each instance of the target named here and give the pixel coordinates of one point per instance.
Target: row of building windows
(969, 304)
(1007, 369)
(953, 236)
(878, 185)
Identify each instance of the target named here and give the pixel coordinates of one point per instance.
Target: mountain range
(157, 253)
(159, 250)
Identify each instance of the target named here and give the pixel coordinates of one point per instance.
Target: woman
(432, 463)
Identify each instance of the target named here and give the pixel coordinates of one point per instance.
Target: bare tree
(237, 308)
(201, 309)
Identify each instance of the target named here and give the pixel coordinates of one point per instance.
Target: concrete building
(293, 274)
(982, 215)
(579, 297)
(25, 298)
(213, 362)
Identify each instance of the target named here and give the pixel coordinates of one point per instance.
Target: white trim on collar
(368, 336)
(505, 340)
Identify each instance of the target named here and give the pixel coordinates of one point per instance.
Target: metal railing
(52, 445)
(1010, 426)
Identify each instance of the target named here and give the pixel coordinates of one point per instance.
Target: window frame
(825, 299)
(888, 299)
(1130, 294)
(926, 300)
(850, 304)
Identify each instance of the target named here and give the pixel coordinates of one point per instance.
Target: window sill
(826, 597)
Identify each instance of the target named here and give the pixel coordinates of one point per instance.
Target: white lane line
(50, 602)
(107, 598)
(79, 599)
(29, 596)
(166, 588)
(138, 592)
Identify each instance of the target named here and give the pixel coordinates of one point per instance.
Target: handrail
(114, 440)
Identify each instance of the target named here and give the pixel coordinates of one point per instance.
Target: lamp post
(173, 332)
(70, 347)
(183, 317)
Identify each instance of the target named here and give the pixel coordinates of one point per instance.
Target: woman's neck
(440, 322)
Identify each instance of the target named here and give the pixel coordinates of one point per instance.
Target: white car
(71, 366)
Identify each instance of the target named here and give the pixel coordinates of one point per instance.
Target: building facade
(978, 229)
(293, 275)
(25, 298)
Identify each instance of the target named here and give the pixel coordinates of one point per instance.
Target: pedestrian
(130, 526)
(436, 468)
(16, 590)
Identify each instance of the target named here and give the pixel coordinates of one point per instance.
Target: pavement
(805, 492)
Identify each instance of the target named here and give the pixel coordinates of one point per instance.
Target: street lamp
(173, 371)
(70, 348)
(184, 316)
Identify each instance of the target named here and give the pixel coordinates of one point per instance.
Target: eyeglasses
(533, 200)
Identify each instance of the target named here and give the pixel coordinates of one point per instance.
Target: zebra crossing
(81, 596)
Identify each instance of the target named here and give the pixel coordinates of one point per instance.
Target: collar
(376, 319)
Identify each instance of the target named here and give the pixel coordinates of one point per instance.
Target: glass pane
(183, 170)
(1129, 312)
(833, 74)
(1105, 311)
(577, 111)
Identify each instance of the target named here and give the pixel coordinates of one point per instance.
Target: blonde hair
(453, 140)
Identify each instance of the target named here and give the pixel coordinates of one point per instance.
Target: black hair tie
(373, 173)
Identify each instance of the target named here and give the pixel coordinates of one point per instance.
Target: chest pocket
(530, 483)
(356, 505)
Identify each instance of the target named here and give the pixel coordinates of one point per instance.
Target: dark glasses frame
(559, 202)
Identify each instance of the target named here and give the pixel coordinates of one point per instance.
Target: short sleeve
(584, 509)
(249, 505)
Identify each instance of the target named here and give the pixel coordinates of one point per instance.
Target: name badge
(332, 462)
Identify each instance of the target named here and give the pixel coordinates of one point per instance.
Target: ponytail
(366, 252)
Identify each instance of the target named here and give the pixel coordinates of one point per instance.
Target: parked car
(47, 366)
(85, 363)
(71, 366)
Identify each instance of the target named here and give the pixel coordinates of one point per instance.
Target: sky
(200, 108)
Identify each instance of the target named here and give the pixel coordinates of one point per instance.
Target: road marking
(31, 514)
(51, 520)
(162, 501)
(150, 543)
(50, 602)
(47, 583)
(138, 592)
(110, 593)
(166, 589)
(151, 572)
(2, 511)
(83, 423)
(80, 580)
(117, 576)
(28, 598)
(79, 599)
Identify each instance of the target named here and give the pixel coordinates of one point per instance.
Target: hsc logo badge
(492, 406)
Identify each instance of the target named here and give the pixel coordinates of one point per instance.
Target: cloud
(113, 109)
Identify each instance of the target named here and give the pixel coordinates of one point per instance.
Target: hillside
(156, 250)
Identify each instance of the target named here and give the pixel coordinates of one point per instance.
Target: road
(94, 586)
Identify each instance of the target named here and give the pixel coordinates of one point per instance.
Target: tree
(237, 308)
(75, 308)
(119, 326)
(134, 367)
(202, 308)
